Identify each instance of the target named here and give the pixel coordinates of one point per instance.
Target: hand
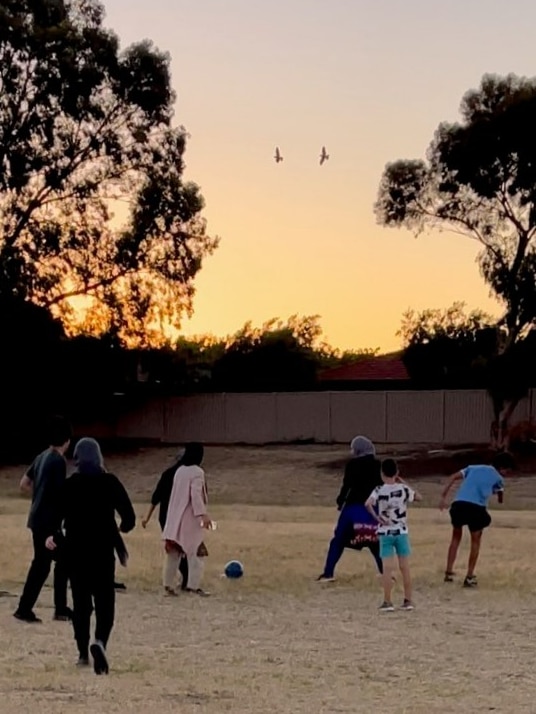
(206, 522)
(443, 504)
(144, 522)
(51, 543)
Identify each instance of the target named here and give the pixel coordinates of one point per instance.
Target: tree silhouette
(92, 200)
(479, 179)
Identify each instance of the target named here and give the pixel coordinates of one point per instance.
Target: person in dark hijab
(355, 528)
(90, 500)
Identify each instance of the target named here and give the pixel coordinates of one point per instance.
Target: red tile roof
(369, 369)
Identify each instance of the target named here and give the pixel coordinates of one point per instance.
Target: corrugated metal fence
(434, 417)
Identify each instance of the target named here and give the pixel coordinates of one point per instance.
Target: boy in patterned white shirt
(390, 500)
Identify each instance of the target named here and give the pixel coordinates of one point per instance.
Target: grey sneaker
(386, 607)
(407, 605)
(449, 578)
(325, 579)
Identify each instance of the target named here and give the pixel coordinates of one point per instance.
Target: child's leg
(388, 571)
(171, 564)
(453, 548)
(476, 538)
(403, 563)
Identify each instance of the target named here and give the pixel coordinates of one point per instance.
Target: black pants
(183, 570)
(39, 572)
(92, 585)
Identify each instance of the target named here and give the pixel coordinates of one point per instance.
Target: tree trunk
(503, 410)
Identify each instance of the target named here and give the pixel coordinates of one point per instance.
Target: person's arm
(56, 480)
(345, 488)
(458, 476)
(123, 507)
(499, 490)
(27, 481)
(370, 504)
(148, 515)
(197, 495)
(156, 499)
(62, 498)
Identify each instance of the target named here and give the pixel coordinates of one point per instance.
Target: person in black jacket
(355, 528)
(160, 497)
(91, 497)
(44, 480)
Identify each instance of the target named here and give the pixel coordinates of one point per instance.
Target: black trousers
(92, 585)
(183, 570)
(39, 572)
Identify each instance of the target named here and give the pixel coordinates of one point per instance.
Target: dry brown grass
(276, 641)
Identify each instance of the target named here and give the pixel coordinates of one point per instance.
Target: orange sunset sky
(370, 79)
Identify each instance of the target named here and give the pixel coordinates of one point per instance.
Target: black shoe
(26, 616)
(120, 586)
(470, 581)
(63, 615)
(100, 663)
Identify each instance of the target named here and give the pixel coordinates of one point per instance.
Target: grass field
(276, 641)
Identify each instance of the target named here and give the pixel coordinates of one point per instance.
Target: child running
(469, 508)
(391, 499)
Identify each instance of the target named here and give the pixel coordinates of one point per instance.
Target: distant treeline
(45, 371)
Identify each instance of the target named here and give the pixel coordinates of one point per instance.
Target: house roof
(370, 369)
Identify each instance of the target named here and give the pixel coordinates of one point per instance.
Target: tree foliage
(479, 179)
(92, 199)
(449, 347)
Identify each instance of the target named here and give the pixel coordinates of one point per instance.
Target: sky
(371, 80)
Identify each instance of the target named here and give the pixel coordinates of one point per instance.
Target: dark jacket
(361, 476)
(88, 507)
(162, 493)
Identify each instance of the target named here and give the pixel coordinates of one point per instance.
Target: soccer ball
(234, 570)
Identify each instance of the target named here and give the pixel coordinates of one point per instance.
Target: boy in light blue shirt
(469, 508)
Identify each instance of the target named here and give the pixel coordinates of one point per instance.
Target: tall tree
(92, 198)
(479, 179)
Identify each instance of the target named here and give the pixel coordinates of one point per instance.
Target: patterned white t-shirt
(391, 500)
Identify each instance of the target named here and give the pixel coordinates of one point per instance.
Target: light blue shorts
(391, 545)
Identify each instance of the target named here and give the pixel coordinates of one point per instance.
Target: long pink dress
(187, 504)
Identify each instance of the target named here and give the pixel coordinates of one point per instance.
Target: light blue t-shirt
(479, 483)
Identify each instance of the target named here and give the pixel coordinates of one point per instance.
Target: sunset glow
(370, 80)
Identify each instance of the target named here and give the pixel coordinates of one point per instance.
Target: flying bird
(324, 156)
(277, 156)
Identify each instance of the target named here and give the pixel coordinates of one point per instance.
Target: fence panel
(196, 418)
(304, 416)
(415, 417)
(250, 418)
(354, 413)
(146, 422)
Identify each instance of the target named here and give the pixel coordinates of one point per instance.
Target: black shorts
(475, 517)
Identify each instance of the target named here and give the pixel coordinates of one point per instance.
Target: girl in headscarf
(160, 497)
(90, 500)
(186, 518)
(356, 528)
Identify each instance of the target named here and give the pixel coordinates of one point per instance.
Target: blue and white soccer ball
(234, 570)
